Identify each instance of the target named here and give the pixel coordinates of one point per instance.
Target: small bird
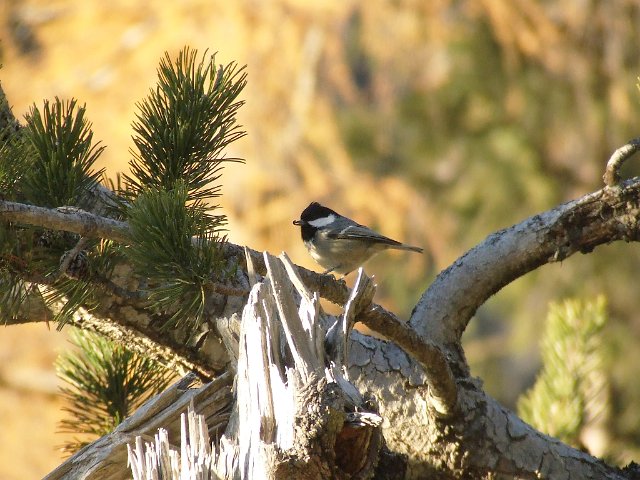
(338, 243)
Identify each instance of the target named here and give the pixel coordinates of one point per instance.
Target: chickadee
(338, 243)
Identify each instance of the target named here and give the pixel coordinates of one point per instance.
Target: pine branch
(182, 129)
(571, 389)
(62, 141)
(177, 247)
(69, 220)
(106, 383)
(184, 125)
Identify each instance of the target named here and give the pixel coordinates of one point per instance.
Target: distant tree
(288, 391)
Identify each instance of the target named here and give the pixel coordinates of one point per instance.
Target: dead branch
(291, 402)
(106, 458)
(611, 175)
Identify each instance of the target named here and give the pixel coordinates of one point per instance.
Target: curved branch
(577, 226)
(442, 385)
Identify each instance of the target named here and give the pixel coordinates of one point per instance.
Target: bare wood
(106, 458)
(290, 405)
(196, 460)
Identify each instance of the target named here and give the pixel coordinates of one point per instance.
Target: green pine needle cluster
(176, 245)
(64, 154)
(16, 156)
(69, 295)
(13, 294)
(184, 125)
(571, 391)
(181, 130)
(105, 384)
(48, 163)
(66, 294)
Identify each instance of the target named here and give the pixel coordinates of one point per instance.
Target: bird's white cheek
(323, 221)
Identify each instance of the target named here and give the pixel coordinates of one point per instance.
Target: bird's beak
(298, 222)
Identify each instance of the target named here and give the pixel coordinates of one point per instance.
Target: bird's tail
(411, 248)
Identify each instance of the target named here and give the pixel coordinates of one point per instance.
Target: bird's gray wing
(358, 232)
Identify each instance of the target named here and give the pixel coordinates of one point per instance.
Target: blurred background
(436, 123)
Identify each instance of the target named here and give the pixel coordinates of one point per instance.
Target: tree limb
(66, 219)
(580, 225)
(577, 226)
(433, 335)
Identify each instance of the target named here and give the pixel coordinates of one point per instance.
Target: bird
(338, 243)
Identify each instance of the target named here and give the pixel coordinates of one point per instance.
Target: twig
(70, 255)
(611, 175)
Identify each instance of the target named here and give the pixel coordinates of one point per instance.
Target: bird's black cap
(315, 211)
